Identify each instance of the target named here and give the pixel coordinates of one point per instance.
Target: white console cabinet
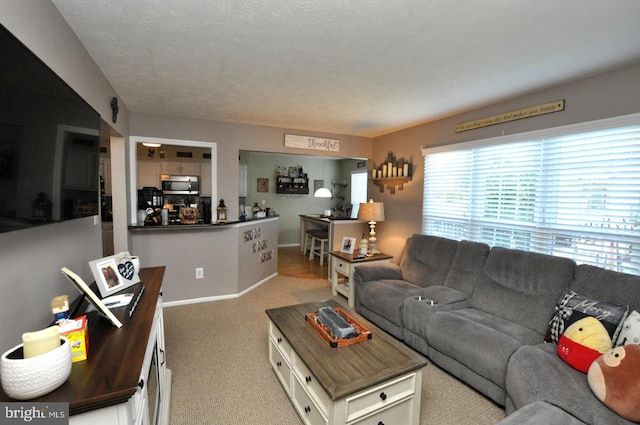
(150, 403)
(125, 379)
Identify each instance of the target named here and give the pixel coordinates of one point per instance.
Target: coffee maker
(150, 197)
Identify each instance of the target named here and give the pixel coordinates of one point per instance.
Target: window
(358, 191)
(572, 192)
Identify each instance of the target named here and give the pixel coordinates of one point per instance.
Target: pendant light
(322, 192)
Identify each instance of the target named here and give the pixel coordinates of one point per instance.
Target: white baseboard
(217, 297)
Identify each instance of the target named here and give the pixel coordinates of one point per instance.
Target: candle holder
(392, 173)
(24, 379)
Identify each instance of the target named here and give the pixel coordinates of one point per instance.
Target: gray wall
(30, 260)
(606, 95)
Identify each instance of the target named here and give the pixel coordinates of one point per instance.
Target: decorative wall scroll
(533, 111)
(310, 142)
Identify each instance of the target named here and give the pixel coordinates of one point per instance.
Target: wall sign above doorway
(533, 111)
(310, 142)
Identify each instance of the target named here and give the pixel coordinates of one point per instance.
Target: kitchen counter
(206, 262)
(212, 226)
(336, 227)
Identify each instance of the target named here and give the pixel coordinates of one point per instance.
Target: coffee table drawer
(308, 410)
(280, 366)
(398, 414)
(280, 341)
(380, 397)
(311, 384)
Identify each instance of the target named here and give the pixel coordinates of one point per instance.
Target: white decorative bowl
(24, 379)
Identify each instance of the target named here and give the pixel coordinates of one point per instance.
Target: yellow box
(77, 332)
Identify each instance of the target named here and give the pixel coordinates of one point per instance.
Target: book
(91, 296)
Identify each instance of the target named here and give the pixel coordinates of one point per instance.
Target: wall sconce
(114, 109)
(392, 173)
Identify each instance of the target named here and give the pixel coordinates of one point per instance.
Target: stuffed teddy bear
(614, 378)
(583, 342)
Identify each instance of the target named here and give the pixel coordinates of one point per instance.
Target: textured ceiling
(364, 67)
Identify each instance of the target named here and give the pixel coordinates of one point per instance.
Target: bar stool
(321, 250)
(308, 239)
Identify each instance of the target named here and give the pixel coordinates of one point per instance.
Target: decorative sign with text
(310, 142)
(547, 108)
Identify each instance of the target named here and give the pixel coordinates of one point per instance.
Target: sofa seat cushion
(536, 373)
(386, 297)
(478, 340)
(540, 413)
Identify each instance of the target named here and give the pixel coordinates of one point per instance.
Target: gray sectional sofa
(482, 314)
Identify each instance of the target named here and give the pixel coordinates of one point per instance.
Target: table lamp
(371, 212)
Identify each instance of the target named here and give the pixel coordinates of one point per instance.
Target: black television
(49, 143)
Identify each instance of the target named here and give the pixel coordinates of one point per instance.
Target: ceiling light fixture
(322, 192)
(151, 145)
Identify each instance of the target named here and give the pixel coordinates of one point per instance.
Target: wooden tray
(363, 333)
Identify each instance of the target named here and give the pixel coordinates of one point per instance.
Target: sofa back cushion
(607, 285)
(467, 266)
(426, 260)
(522, 286)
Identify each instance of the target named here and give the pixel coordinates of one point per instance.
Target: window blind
(358, 191)
(575, 194)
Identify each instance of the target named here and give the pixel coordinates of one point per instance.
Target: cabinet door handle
(278, 364)
(339, 264)
(279, 340)
(308, 379)
(380, 423)
(383, 396)
(164, 357)
(141, 383)
(307, 409)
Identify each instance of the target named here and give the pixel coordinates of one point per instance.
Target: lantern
(222, 212)
(41, 208)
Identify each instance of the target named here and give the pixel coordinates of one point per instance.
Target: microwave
(180, 185)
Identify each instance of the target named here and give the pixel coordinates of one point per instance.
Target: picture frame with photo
(348, 245)
(86, 291)
(114, 273)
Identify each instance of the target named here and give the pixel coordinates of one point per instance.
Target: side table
(342, 266)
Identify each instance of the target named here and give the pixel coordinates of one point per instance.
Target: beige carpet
(221, 373)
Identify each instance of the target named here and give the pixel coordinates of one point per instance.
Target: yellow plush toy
(583, 342)
(615, 379)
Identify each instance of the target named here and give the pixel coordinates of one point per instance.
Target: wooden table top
(354, 258)
(344, 370)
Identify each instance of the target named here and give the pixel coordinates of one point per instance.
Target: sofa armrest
(376, 271)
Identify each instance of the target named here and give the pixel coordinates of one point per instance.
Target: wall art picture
(114, 273)
(263, 185)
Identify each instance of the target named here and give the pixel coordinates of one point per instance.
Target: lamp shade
(371, 211)
(323, 192)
